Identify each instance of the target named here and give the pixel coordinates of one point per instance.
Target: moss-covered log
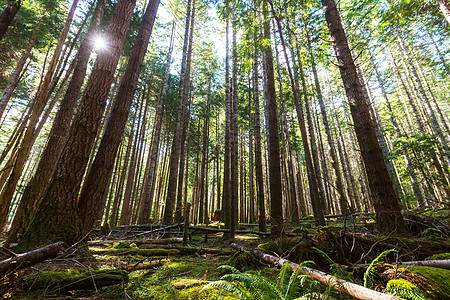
(135, 251)
(343, 286)
(72, 279)
(30, 258)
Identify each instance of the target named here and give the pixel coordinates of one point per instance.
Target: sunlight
(100, 43)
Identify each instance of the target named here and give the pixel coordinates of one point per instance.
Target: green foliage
(334, 268)
(252, 285)
(368, 275)
(404, 289)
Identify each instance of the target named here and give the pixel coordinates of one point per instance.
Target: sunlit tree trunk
(30, 134)
(57, 218)
(388, 213)
(92, 196)
(444, 5)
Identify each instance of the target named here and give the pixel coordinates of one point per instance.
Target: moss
(243, 261)
(440, 256)
(73, 279)
(431, 233)
(122, 245)
(438, 278)
(178, 280)
(292, 248)
(134, 251)
(402, 283)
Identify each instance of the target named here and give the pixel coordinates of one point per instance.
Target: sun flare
(100, 43)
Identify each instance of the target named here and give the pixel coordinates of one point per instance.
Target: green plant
(252, 285)
(404, 289)
(335, 269)
(368, 275)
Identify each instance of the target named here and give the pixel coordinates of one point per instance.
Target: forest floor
(149, 262)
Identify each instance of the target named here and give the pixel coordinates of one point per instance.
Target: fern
(252, 285)
(405, 293)
(368, 275)
(334, 268)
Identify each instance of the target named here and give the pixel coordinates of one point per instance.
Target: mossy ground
(183, 274)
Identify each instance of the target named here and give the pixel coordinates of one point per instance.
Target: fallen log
(28, 259)
(186, 250)
(145, 266)
(343, 286)
(137, 242)
(134, 251)
(67, 281)
(442, 264)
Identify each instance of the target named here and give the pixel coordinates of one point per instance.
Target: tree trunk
(388, 213)
(58, 134)
(444, 5)
(57, 218)
(94, 189)
(7, 15)
(258, 153)
(276, 197)
(149, 182)
(38, 107)
(14, 79)
(182, 100)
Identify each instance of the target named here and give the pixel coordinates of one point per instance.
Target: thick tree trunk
(57, 218)
(58, 134)
(30, 134)
(388, 213)
(7, 15)
(276, 197)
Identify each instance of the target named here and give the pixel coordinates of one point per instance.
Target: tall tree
(57, 217)
(388, 213)
(276, 197)
(58, 135)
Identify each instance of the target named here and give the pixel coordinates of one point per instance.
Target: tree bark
(32, 194)
(276, 197)
(30, 134)
(388, 213)
(57, 218)
(7, 15)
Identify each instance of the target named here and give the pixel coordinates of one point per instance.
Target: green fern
(368, 275)
(405, 293)
(252, 285)
(334, 268)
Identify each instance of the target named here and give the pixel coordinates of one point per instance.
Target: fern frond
(369, 272)
(405, 293)
(229, 268)
(334, 268)
(230, 287)
(267, 286)
(292, 287)
(283, 277)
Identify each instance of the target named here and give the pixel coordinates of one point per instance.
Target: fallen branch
(442, 264)
(30, 258)
(343, 286)
(137, 242)
(133, 251)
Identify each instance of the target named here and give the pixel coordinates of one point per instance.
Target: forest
(235, 149)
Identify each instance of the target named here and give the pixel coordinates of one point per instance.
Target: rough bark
(30, 134)
(57, 218)
(58, 135)
(30, 258)
(276, 197)
(388, 213)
